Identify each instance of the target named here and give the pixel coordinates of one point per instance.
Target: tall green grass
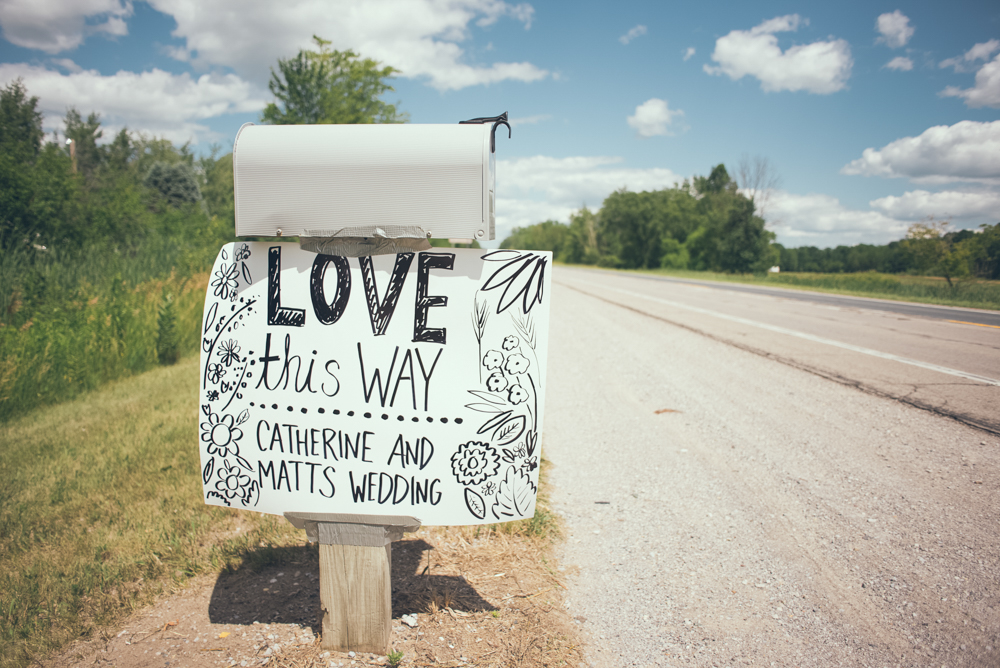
(101, 508)
(972, 293)
(70, 322)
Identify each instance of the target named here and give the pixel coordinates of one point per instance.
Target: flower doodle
(510, 343)
(496, 382)
(232, 481)
(222, 434)
(516, 363)
(517, 395)
(229, 351)
(225, 281)
(216, 372)
(493, 359)
(474, 462)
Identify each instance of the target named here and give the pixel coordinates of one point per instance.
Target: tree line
(712, 223)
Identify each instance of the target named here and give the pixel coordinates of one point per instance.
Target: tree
(20, 122)
(329, 86)
(744, 244)
(176, 182)
(758, 179)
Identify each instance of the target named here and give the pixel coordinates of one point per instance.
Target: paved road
(936, 358)
(747, 478)
(970, 316)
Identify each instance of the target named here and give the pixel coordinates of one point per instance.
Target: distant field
(971, 293)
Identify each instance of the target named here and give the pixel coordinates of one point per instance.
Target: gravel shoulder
(724, 508)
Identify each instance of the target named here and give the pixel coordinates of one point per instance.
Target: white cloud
(981, 51)
(653, 118)
(954, 205)
(899, 63)
(689, 53)
(421, 38)
(894, 28)
(158, 102)
(632, 34)
(60, 25)
(821, 220)
(965, 151)
(530, 190)
(820, 67)
(986, 92)
(66, 64)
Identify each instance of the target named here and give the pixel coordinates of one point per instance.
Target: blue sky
(874, 115)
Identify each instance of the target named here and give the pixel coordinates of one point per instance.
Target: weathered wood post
(355, 564)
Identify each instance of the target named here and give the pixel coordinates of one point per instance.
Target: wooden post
(355, 565)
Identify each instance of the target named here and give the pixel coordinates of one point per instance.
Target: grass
(970, 293)
(101, 509)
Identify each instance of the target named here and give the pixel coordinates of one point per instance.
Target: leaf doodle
(244, 463)
(243, 416)
(531, 442)
(509, 431)
(501, 256)
(210, 317)
(508, 456)
(515, 497)
(483, 408)
(474, 502)
(246, 274)
(206, 475)
(486, 396)
(522, 278)
(493, 422)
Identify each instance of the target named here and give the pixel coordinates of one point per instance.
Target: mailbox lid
(305, 179)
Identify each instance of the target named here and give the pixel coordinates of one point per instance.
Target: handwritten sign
(409, 384)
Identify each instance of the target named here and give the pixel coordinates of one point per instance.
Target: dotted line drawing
(337, 411)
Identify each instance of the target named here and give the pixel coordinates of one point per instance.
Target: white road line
(803, 335)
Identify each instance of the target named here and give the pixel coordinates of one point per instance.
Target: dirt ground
(491, 600)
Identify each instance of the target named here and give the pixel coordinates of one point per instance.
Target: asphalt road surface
(756, 479)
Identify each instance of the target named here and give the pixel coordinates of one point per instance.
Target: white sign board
(410, 384)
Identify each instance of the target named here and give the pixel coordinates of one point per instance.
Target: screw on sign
(359, 382)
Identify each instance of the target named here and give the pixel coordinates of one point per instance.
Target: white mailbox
(387, 181)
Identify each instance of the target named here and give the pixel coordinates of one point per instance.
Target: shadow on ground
(281, 586)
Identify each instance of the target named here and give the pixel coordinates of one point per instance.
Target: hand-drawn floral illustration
(232, 481)
(517, 395)
(223, 377)
(474, 462)
(493, 359)
(496, 382)
(228, 366)
(475, 503)
(516, 363)
(522, 276)
(229, 351)
(221, 433)
(215, 372)
(510, 395)
(225, 280)
(515, 496)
